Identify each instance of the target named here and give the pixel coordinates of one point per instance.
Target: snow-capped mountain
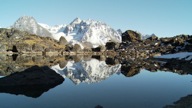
(53, 29)
(29, 24)
(119, 31)
(145, 36)
(77, 32)
(91, 31)
(87, 71)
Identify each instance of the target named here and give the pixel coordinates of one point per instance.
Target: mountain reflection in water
(79, 69)
(89, 71)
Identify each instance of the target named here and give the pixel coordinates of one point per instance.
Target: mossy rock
(131, 36)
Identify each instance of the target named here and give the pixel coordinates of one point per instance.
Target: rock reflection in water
(32, 82)
(91, 68)
(16, 63)
(130, 68)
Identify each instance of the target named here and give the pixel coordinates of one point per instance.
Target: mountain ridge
(77, 32)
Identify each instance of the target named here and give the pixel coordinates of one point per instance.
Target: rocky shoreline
(135, 47)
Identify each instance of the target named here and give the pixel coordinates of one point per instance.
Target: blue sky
(162, 17)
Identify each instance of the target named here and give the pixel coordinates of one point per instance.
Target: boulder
(153, 37)
(77, 48)
(32, 82)
(110, 45)
(99, 49)
(63, 41)
(62, 64)
(131, 36)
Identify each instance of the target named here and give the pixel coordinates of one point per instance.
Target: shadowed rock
(130, 71)
(32, 82)
(184, 102)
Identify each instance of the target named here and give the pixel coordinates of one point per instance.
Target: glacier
(53, 29)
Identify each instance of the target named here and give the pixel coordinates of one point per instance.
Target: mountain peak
(78, 31)
(29, 24)
(27, 17)
(76, 21)
(119, 31)
(24, 20)
(95, 32)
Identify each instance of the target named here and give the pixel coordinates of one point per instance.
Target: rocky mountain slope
(30, 25)
(22, 42)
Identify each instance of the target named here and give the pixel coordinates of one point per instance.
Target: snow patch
(53, 29)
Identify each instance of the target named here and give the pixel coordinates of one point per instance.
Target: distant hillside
(19, 41)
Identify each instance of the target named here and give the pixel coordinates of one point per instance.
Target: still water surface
(144, 90)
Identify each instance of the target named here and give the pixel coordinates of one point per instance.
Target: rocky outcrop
(63, 41)
(134, 47)
(112, 46)
(31, 82)
(12, 40)
(22, 42)
(131, 36)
